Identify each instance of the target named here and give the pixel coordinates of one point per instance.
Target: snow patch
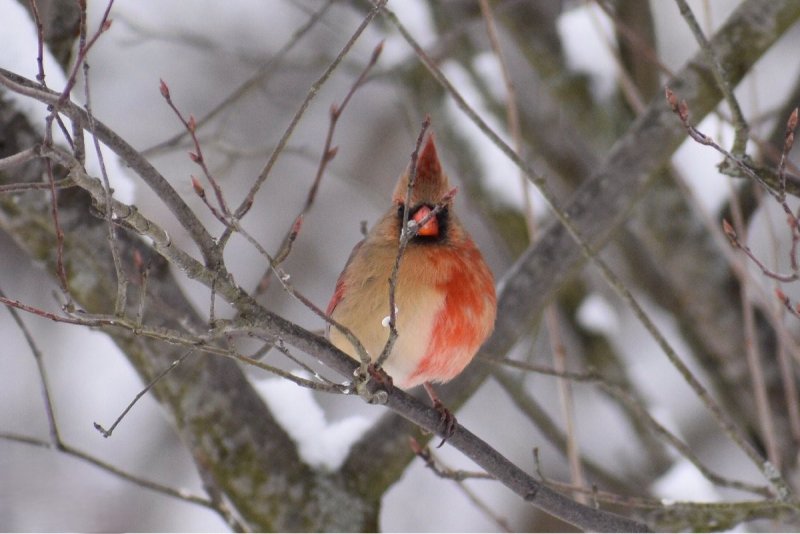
(18, 55)
(586, 33)
(597, 315)
(684, 482)
(320, 442)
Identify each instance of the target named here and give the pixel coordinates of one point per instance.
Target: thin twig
(12, 189)
(406, 234)
(566, 400)
(19, 158)
(249, 84)
(247, 203)
(625, 398)
(328, 153)
(113, 245)
(733, 237)
(459, 476)
(738, 121)
(142, 393)
(551, 317)
(190, 125)
(188, 220)
(55, 438)
(514, 385)
(752, 351)
(83, 50)
(37, 19)
(110, 468)
(202, 343)
(633, 38)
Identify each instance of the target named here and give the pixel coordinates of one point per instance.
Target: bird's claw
(447, 422)
(379, 375)
(374, 385)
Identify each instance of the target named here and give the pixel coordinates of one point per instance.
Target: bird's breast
(445, 309)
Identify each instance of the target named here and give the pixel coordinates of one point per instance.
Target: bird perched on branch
(444, 293)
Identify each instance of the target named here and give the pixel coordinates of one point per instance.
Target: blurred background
(248, 66)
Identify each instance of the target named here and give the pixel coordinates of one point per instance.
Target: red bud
(164, 89)
(780, 294)
(298, 224)
(671, 99)
(198, 187)
(683, 110)
(728, 229)
(376, 53)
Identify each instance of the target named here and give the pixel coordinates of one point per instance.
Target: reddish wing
(338, 293)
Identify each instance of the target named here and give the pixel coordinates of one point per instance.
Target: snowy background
(205, 49)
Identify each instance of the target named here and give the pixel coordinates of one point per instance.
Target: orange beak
(430, 228)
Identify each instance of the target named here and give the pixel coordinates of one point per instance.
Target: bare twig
(189, 221)
(566, 400)
(55, 438)
(406, 234)
(788, 143)
(625, 398)
(142, 393)
(252, 82)
(110, 468)
(633, 38)
(328, 153)
(190, 125)
(733, 237)
(752, 350)
(459, 476)
(37, 19)
(19, 158)
(12, 189)
(247, 203)
(83, 50)
(122, 280)
(721, 77)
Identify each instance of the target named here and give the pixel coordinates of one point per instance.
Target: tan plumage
(445, 292)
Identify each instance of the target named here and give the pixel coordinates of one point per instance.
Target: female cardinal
(444, 297)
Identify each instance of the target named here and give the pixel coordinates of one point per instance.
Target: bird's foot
(374, 385)
(447, 421)
(379, 375)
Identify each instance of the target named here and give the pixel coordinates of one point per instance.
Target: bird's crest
(431, 185)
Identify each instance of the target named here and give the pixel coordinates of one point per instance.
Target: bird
(445, 301)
